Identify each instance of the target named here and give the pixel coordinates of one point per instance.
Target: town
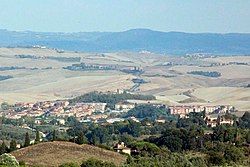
(100, 112)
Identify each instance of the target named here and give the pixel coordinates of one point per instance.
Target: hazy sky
(118, 15)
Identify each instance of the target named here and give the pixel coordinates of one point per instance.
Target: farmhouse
(120, 147)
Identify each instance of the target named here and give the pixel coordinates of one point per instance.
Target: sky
(220, 16)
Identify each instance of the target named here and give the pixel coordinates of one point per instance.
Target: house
(180, 110)
(124, 106)
(120, 147)
(119, 91)
(61, 121)
(210, 109)
(160, 120)
(112, 120)
(63, 129)
(134, 119)
(211, 121)
(97, 107)
(38, 121)
(223, 120)
(186, 109)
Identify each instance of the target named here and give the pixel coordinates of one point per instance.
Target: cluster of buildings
(99, 112)
(184, 110)
(213, 121)
(61, 109)
(214, 115)
(54, 108)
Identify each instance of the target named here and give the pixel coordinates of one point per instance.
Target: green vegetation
(177, 142)
(61, 59)
(213, 74)
(13, 145)
(27, 140)
(8, 160)
(65, 59)
(110, 99)
(5, 106)
(71, 164)
(149, 111)
(169, 144)
(85, 67)
(11, 68)
(37, 139)
(245, 120)
(9, 132)
(97, 163)
(5, 77)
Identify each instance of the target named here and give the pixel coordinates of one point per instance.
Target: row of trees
(13, 144)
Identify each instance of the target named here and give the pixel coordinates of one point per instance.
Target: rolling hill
(57, 153)
(175, 43)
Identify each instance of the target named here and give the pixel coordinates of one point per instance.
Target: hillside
(176, 43)
(56, 153)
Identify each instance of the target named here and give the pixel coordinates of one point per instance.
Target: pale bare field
(240, 59)
(56, 83)
(167, 83)
(227, 72)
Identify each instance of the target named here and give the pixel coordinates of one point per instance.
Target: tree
(13, 145)
(54, 135)
(3, 148)
(248, 137)
(5, 106)
(81, 139)
(27, 140)
(244, 121)
(216, 158)
(37, 140)
(147, 111)
(146, 148)
(174, 139)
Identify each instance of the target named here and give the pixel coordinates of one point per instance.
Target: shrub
(8, 160)
(216, 158)
(233, 154)
(198, 161)
(97, 163)
(69, 164)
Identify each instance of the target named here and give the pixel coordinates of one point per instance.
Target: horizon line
(146, 29)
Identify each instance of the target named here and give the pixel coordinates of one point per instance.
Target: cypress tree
(13, 145)
(37, 140)
(54, 135)
(27, 140)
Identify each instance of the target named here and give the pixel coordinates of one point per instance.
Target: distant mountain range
(176, 43)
